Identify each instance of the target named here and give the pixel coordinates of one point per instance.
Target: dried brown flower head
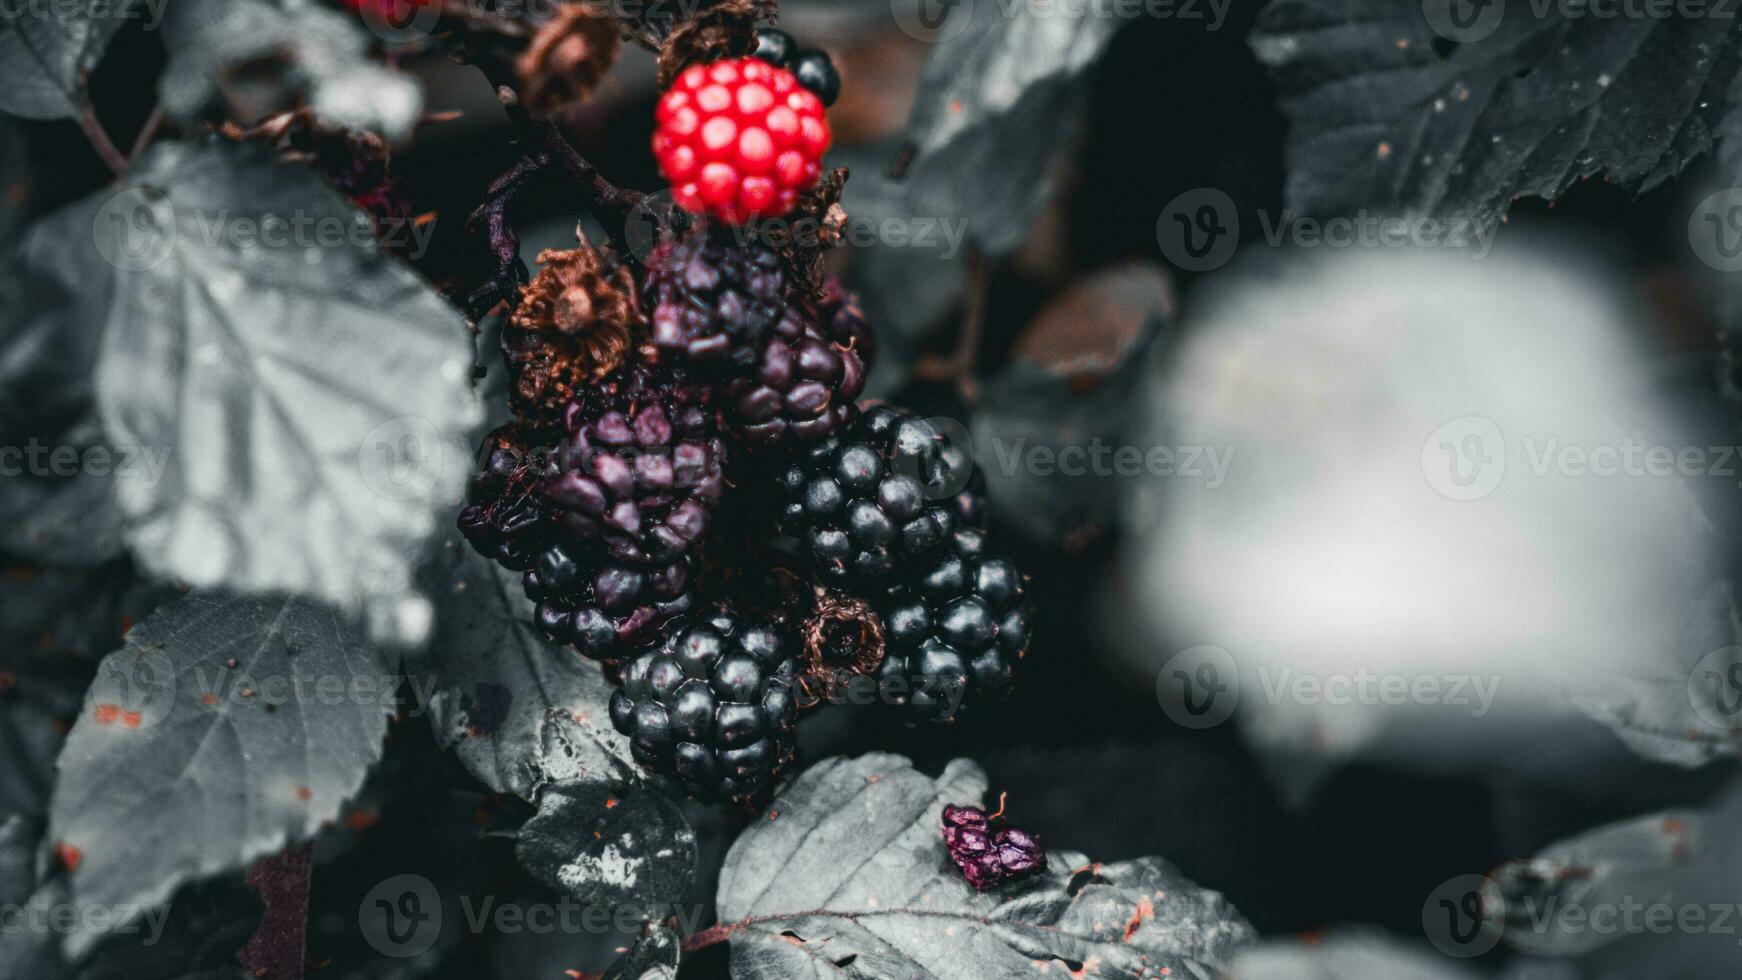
(841, 638)
(567, 58)
(726, 29)
(576, 322)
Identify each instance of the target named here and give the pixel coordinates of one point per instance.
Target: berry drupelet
(714, 705)
(870, 500)
(955, 633)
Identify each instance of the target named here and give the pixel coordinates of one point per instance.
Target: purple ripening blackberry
(712, 300)
(872, 500)
(714, 705)
(640, 467)
(585, 597)
(802, 388)
(954, 635)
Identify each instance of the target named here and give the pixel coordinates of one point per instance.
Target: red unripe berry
(739, 139)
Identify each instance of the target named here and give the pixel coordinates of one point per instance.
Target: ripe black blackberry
(605, 608)
(804, 386)
(953, 636)
(713, 300)
(713, 705)
(871, 499)
(640, 467)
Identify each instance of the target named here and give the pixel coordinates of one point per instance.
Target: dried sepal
(576, 322)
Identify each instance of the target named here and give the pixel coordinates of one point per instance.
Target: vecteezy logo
(956, 454)
(400, 459)
(1199, 687)
(1715, 230)
(402, 916)
(1199, 230)
(932, 21)
(400, 21)
(1464, 21)
(1715, 688)
(135, 229)
(1465, 459)
(1463, 916)
(648, 224)
(133, 689)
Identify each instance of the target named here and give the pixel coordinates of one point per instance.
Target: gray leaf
(1638, 860)
(309, 392)
(519, 711)
(47, 52)
(1526, 105)
(849, 877)
(653, 957)
(326, 51)
(993, 116)
(182, 766)
(610, 846)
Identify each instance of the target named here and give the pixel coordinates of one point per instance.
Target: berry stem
(493, 217)
(99, 139)
(147, 133)
(959, 365)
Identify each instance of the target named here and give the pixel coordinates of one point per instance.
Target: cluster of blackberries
(695, 499)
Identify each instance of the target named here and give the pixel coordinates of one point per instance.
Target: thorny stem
(547, 147)
(959, 365)
(99, 139)
(492, 216)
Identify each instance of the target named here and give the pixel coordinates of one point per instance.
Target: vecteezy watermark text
(1199, 230)
(1201, 686)
(1101, 459)
(1468, 457)
(403, 916)
(148, 12)
(36, 459)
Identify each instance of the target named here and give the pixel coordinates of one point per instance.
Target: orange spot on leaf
(105, 714)
(68, 855)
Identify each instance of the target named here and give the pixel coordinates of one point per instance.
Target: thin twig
(147, 133)
(960, 365)
(99, 139)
